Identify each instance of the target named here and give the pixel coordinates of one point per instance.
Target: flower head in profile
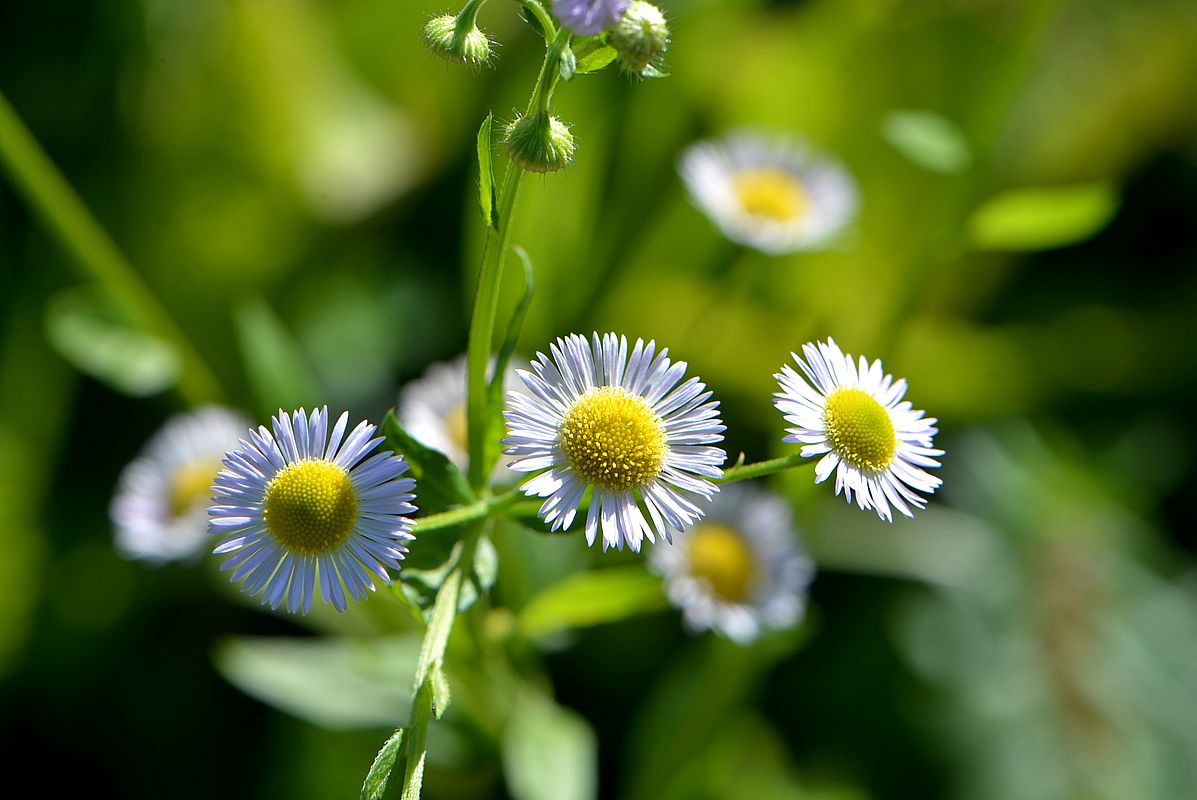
(740, 571)
(622, 427)
(589, 17)
(432, 409)
(853, 415)
(159, 510)
(303, 504)
(771, 194)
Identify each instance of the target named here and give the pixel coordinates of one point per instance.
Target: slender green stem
(465, 514)
(92, 251)
(467, 18)
(546, 22)
(743, 472)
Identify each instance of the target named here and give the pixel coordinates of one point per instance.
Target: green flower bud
(460, 44)
(539, 142)
(641, 36)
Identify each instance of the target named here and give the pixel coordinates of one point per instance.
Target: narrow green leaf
(439, 484)
(929, 140)
(441, 695)
(549, 752)
(278, 372)
(1043, 217)
(568, 65)
(436, 637)
(379, 776)
(339, 684)
(86, 329)
(592, 598)
(417, 743)
(596, 59)
(496, 387)
(486, 172)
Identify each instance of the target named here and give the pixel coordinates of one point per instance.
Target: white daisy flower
(771, 194)
(303, 503)
(620, 427)
(159, 510)
(432, 409)
(741, 570)
(854, 417)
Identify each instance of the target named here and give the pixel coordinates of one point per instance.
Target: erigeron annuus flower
(741, 570)
(432, 409)
(303, 503)
(853, 415)
(617, 425)
(589, 17)
(159, 510)
(771, 194)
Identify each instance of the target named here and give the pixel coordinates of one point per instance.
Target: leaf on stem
(278, 372)
(486, 172)
(596, 59)
(592, 598)
(439, 484)
(379, 776)
(1043, 217)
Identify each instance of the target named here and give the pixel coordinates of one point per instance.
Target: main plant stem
(92, 251)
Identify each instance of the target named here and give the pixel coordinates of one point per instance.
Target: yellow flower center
(860, 429)
(311, 507)
(720, 556)
(190, 484)
(613, 439)
(457, 429)
(771, 194)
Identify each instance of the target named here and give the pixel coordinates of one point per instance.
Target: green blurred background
(295, 180)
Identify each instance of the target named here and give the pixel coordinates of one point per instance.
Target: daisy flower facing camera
(159, 510)
(853, 415)
(771, 194)
(740, 571)
(598, 419)
(303, 504)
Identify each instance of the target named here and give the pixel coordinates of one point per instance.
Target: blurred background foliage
(294, 179)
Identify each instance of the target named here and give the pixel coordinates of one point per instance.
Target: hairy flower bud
(457, 43)
(641, 36)
(539, 142)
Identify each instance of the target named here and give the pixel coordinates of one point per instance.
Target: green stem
(464, 514)
(467, 18)
(743, 472)
(92, 251)
(546, 22)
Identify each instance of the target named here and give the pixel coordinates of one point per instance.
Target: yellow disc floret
(720, 556)
(613, 439)
(190, 484)
(311, 507)
(860, 429)
(771, 194)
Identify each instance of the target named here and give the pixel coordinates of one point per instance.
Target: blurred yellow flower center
(457, 427)
(860, 429)
(720, 556)
(771, 194)
(190, 484)
(613, 439)
(311, 507)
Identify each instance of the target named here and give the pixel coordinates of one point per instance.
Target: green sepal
(487, 199)
(439, 484)
(379, 776)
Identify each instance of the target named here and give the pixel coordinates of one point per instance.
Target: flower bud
(641, 36)
(456, 43)
(539, 142)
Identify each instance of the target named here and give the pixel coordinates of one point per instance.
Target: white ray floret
(770, 193)
(302, 504)
(851, 414)
(741, 571)
(159, 511)
(620, 427)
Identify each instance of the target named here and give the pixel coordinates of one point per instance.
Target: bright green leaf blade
(439, 484)
(441, 695)
(549, 752)
(928, 140)
(334, 683)
(486, 172)
(597, 59)
(1043, 217)
(592, 598)
(440, 625)
(89, 333)
(278, 372)
(379, 776)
